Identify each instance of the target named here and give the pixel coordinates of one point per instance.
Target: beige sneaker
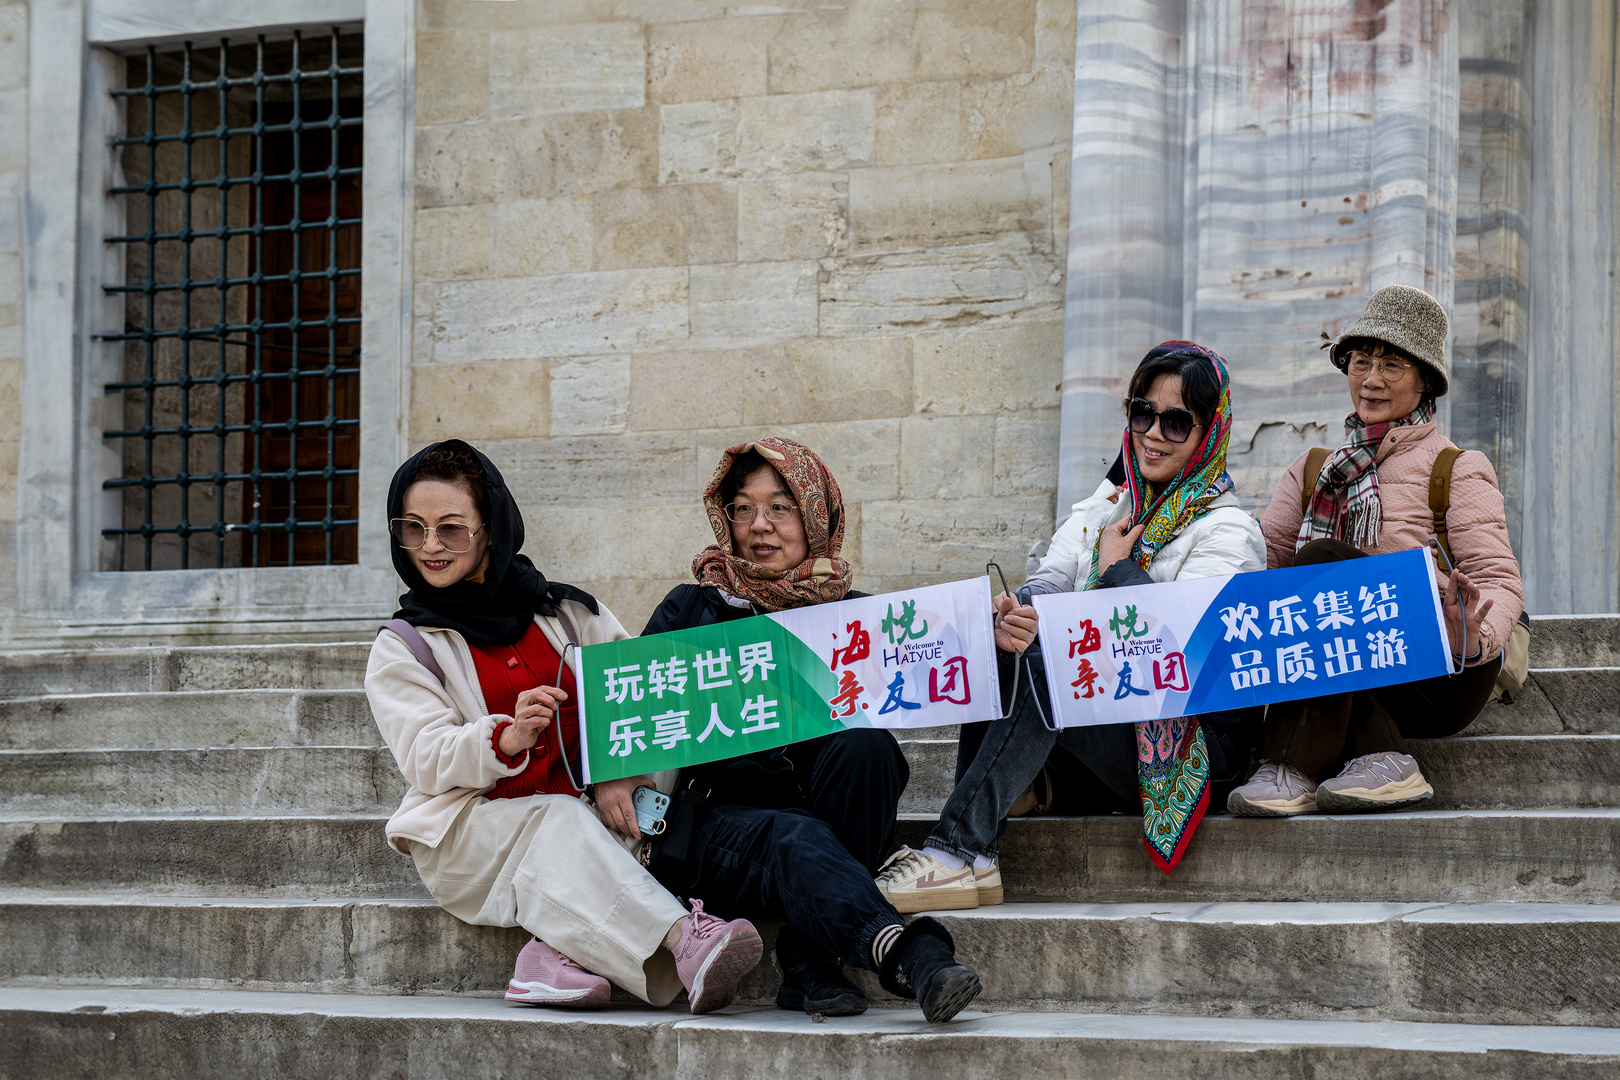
(989, 883)
(1275, 790)
(914, 881)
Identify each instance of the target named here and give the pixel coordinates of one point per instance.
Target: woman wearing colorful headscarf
(798, 832)
(1370, 496)
(469, 688)
(1175, 517)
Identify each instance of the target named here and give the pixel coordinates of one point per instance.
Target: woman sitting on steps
(470, 691)
(1348, 752)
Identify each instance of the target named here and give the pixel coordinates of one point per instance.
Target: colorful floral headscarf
(823, 576)
(1187, 497)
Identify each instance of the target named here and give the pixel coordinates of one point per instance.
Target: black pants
(811, 867)
(1318, 735)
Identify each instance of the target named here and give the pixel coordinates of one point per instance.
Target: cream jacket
(442, 736)
(1476, 524)
(1225, 540)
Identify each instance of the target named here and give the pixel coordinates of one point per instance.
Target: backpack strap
(1440, 496)
(417, 644)
(1315, 458)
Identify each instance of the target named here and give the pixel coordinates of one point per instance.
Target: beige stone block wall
(646, 230)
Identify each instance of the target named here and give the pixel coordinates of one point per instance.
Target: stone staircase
(194, 882)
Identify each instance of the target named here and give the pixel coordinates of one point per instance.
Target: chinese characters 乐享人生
(796, 833)
(470, 691)
(1370, 496)
(1174, 517)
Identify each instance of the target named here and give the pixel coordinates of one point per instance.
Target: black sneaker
(921, 964)
(819, 986)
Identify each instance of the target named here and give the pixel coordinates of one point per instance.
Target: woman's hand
(1015, 624)
(533, 714)
(1116, 544)
(614, 803)
(1461, 603)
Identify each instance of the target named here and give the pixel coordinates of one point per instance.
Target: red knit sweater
(505, 671)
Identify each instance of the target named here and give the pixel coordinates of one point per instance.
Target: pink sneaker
(712, 957)
(545, 976)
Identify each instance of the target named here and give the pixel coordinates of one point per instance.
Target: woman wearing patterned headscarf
(1174, 517)
(813, 817)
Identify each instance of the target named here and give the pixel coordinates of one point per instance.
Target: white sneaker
(915, 881)
(988, 879)
(1275, 790)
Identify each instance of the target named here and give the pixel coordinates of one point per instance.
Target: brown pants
(1318, 735)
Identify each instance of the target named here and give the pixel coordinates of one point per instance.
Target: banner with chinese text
(918, 658)
(1179, 648)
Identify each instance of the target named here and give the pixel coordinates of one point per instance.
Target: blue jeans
(1093, 768)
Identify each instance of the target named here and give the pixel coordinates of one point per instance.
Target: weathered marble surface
(1246, 174)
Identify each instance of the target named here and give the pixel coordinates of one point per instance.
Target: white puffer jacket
(1226, 540)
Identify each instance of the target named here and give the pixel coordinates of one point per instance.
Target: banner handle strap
(562, 751)
(1020, 659)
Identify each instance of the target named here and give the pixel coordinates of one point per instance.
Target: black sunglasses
(1174, 424)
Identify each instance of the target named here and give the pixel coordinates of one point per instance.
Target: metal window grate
(237, 415)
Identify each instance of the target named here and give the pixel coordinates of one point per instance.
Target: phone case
(650, 804)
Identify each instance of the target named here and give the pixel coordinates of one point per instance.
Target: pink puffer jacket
(1476, 525)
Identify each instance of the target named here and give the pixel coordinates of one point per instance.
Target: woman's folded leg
(547, 864)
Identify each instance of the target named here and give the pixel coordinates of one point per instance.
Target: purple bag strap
(417, 644)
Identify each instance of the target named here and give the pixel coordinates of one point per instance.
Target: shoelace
(898, 864)
(703, 925)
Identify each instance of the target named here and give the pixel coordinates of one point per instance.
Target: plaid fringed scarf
(1172, 761)
(1345, 504)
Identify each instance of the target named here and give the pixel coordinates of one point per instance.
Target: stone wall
(647, 231)
(13, 161)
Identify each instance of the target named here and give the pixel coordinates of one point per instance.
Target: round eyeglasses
(454, 538)
(1391, 369)
(1175, 425)
(776, 512)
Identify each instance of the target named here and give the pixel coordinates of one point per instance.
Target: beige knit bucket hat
(1409, 319)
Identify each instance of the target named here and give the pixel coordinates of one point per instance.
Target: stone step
(190, 718)
(1491, 772)
(1571, 641)
(331, 666)
(66, 1034)
(1558, 856)
(228, 780)
(1584, 701)
(1580, 700)
(1489, 963)
(1557, 641)
(1486, 772)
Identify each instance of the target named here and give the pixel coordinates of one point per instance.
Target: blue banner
(1147, 652)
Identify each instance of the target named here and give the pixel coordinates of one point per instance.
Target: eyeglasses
(1390, 369)
(454, 538)
(1174, 424)
(742, 513)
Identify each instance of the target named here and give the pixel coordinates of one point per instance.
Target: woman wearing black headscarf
(469, 687)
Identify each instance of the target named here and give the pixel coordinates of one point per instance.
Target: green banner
(690, 696)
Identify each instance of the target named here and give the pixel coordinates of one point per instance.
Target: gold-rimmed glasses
(453, 536)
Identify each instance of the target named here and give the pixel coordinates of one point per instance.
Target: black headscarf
(498, 610)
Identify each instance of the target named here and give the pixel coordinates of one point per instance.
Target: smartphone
(650, 804)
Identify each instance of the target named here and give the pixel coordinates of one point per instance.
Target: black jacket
(765, 778)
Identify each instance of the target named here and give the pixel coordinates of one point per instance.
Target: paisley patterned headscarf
(1172, 756)
(822, 576)
(1187, 497)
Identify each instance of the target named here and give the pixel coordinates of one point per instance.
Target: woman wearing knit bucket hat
(1370, 496)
